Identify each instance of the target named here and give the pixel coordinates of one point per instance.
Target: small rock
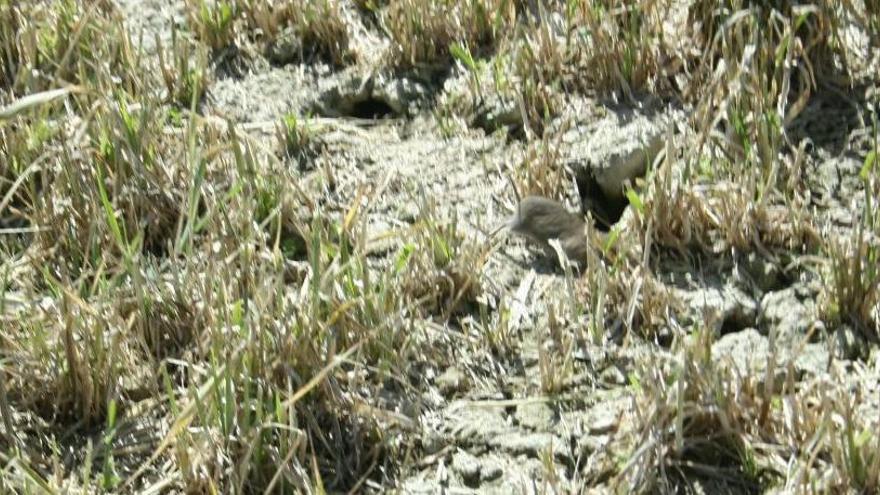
(285, 49)
(467, 466)
(603, 421)
(600, 419)
(785, 310)
(378, 241)
(490, 469)
(616, 148)
(588, 444)
(432, 441)
(536, 416)
(339, 96)
(728, 306)
(530, 444)
(408, 211)
(400, 94)
(477, 425)
(612, 376)
(495, 113)
(765, 274)
(747, 349)
(419, 486)
(812, 360)
(452, 381)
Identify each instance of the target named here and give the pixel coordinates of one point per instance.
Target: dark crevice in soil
(733, 325)
(371, 108)
(605, 211)
(363, 105)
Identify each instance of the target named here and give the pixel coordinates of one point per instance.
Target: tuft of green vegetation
(213, 22)
(853, 277)
(320, 27)
(422, 31)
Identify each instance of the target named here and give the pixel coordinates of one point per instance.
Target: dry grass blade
(180, 423)
(35, 100)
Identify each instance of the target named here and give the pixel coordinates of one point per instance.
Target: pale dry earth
(482, 424)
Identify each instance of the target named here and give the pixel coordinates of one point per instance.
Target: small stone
(747, 349)
(452, 381)
(285, 49)
(477, 425)
(765, 274)
(728, 306)
(400, 94)
(418, 486)
(496, 113)
(536, 416)
(530, 444)
(603, 421)
(785, 310)
(408, 211)
(812, 360)
(467, 466)
(379, 243)
(432, 441)
(612, 376)
(490, 470)
(617, 147)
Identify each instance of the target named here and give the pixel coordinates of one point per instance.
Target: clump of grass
(112, 192)
(693, 420)
(601, 48)
(21, 177)
(575, 49)
(853, 276)
(10, 53)
(720, 216)
(813, 37)
(213, 22)
(620, 290)
(698, 416)
(541, 171)
(755, 199)
(717, 217)
(163, 309)
(48, 45)
(186, 80)
(422, 31)
(621, 42)
(371, 9)
(439, 266)
(535, 90)
(71, 360)
(759, 66)
(556, 362)
(319, 25)
(855, 282)
(251, 369)
(298, 139)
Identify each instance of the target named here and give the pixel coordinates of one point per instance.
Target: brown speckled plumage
(542, 219)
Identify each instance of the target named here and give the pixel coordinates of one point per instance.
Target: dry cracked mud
(483, 423)
(486, 421)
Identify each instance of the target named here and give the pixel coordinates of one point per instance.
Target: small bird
(541, 219)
